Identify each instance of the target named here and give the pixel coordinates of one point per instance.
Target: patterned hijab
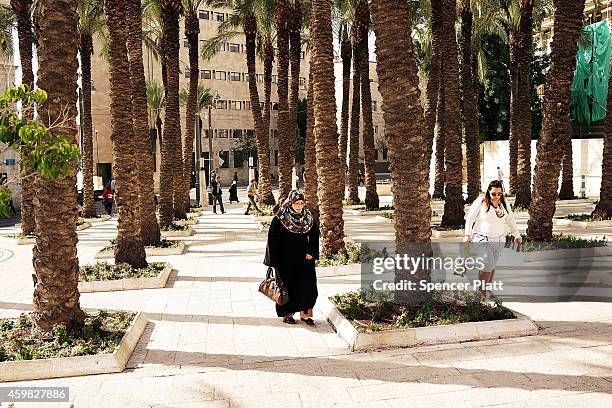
(298, 223)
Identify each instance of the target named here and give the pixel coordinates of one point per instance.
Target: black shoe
(308, 321)
(288, 320)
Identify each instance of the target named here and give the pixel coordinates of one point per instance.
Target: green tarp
(590, 85)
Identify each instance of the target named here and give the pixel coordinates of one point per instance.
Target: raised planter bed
(583, 224)
(189, 221)
(447, 233)
(178, 233)
(101, 218)
(361, 212)
(150, 251)
(127, 284)
(23, 370)
(83, 226)
(555, 254)
(338, 270)
(26, 241)
(423, 336)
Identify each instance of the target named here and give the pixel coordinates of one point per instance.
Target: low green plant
(175, 227)
(579, 217)
(558, 241)
(351, 254)
(106, 271)
(163, 243)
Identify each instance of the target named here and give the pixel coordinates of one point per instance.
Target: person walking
(292, 249)
(108, 197)
(235, 177)
(233, 191)
(252, 194)
(485, 224)
(217, 195)
(500, 175)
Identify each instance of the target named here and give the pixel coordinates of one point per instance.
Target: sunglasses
(496, 194)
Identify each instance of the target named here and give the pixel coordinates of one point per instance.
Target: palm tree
(603, 209)
(346, 53)
(404, 116)
(7, 21)
(282, 16)
(525, 56)
(567, 25)
(329, 170)
(469, 96)
(156, 102)
(203, 98)
(353, 165)
(362, 14)
(56, 266)
(310, 159)
(129, 248)
(22, 9)
(435, 107)
(170, 204)
(150, 233)
(566, 191)
(295, 55)
(453, 204)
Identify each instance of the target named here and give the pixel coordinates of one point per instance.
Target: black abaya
(286, 253)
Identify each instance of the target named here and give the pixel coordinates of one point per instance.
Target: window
(224, 155)
(221, 47)
(239, 158)
(234, 76)
(206, 133)
(274, 79)
(187, 72)
(204, 15)
(186, 43)
(302, 81)
(375, 129)
(249, 133)
(302, 55)
(261, 105)
(236, 133)
(221, 104)
(376, 154)
(220, 17)
(221, 75)
(374, 106)
(260, 78)
(274, 133)
(275, 161)
(206, 74)
(222, 133)
(234, 47)
(247, 105)
(384, 152)
(235, 105)
(274, 105)
(246, 77)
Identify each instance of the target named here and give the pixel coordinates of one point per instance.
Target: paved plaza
(213, 341)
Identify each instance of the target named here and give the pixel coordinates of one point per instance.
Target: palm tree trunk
(295, 55)
(21, 8)
(310, 158)
(129, 248)
(86, 50)
(566, 192)
(568, 23)
(603, 209)
(433, 81)
(440, 129)
(353, 166)
(192, 30)
(407, 143)
(56, 266)
(285, 137)
(346, 55)
(470, 114)
(453, 204)
(329, 170)
(369, 150)
(171, 172)
(514, 110)
(268, 61)
(149, 228)
(523, 171)
(261, 134)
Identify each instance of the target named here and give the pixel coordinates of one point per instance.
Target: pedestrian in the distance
(108, 197)
(500, 175)
(233, 191)
(252, 194)
(235, 177)
(217, 195)
(293, 247)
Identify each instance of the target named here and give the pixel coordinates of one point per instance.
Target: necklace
(499, 211)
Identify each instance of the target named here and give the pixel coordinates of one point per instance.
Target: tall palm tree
(567, 25)
(295, 55)
(439, 131)
(329, 170)
(353, 164)
(404, 118)
(469, 96)
(566, 191)
(453, 204)
(603, 209)
(525, 56)
(282, 16)
(7, 21)
(362, 13)
(170, 205)
(129, 248)
(150, 233)
(310, 158)
(346, 54)
(22, 10)
(56, 266)
(156, 102)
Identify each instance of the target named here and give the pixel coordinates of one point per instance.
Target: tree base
(601, 212)
(131, 252)
(371, 201)
(523, 199)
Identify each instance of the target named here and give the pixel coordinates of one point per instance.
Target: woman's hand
(308, 257)
(467, 238)
(518, 240)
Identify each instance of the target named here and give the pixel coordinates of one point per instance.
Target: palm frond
(211, 46)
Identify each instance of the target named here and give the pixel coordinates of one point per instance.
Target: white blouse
(487, 222)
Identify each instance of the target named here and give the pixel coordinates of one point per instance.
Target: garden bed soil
(111, 277)
(187, 232)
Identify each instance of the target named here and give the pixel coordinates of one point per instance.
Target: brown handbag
(273, 288)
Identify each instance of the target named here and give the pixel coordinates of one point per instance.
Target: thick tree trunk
(453, 205)
(86, 50)
(56, 266)
(329, 170)
(568, 23)
(149, 228)
(523, 171)
(407, 143)
(514, 110)
(566, 192)
(285, 128)
(129, 248)
(295, 54)
(603, 209)
(353, 164)
(310, 159)
(346, 55)
(369, 150)
(470, 114)
(21, 8)
(440, 129)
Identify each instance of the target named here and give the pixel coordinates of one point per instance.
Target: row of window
(210, 15)
(231, 47)
(234, 76)
(234, 133)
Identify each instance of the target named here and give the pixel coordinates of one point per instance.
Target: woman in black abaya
(293, 247)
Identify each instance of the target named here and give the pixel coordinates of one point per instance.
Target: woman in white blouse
(491, 214)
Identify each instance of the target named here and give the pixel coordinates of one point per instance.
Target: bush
(579, 217)
(163, 243)
(558, 241)
(175, 227)
(107, 271)
(351, 254)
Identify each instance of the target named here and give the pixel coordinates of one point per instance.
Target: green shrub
(107, 271)
(558, 241)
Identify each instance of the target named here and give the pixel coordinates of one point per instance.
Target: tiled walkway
(214, 341)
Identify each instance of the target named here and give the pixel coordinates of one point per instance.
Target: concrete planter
(102, 218)
(150, 251)
(339, 270)
(583, 224)
(424, 336)
(374, 212)
(26, 241)
(447, 233)
(80, 365)
(83, 226)
(184, 233)
(385, 219)
(127, 284)
(190, 221)
(556, 254)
